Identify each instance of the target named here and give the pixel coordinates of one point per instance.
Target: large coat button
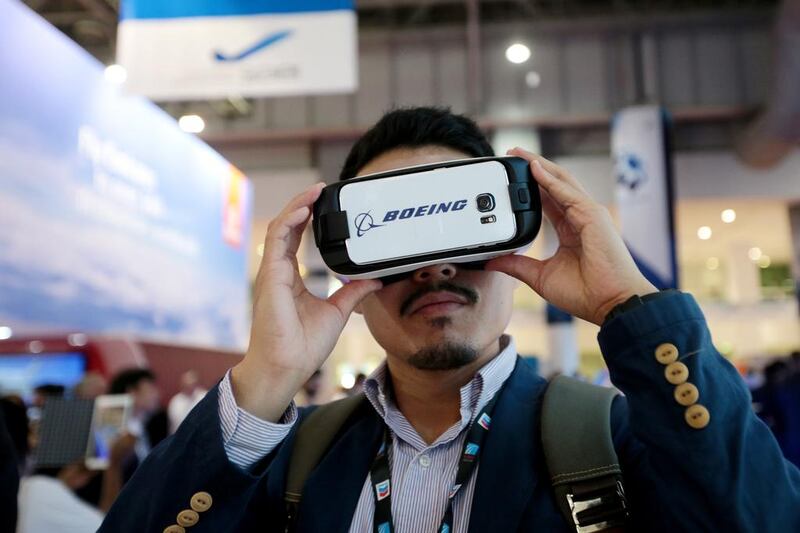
(201, 502)
(676, 373)
(188, 518)
(666, 353)
(174, 529)
(697, 416)
(686, 394)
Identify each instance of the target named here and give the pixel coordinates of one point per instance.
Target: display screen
(21, 373)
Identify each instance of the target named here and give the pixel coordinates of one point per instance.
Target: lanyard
(381, 474)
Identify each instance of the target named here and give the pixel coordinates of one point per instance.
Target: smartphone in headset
(463, 211)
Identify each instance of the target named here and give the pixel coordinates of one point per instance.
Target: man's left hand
(592, 270)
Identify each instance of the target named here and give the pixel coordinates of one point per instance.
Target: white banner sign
(199, 49)
(644, 191)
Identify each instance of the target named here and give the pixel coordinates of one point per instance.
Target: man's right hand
(293, 331)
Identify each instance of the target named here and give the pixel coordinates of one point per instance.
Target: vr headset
(388, 224)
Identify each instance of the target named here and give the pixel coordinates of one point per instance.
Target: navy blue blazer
(728, 476)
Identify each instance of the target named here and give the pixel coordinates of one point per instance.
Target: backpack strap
(314, 437)
(579, 451)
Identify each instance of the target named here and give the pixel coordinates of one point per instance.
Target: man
(184, 401)
(446, 359)
(147, 422)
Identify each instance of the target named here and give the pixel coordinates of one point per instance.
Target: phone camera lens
(485, 202)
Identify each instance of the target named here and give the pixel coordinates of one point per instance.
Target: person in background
(9, 478)
(44, 391)
(309, 393)
(765, 398)
(787, 398)
(146, 420)
(182, 403)
(91, 386)
(48, 500)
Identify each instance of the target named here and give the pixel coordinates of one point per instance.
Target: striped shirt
(422, 474)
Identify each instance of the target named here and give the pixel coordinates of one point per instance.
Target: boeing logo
(364, 221)
(259, 45)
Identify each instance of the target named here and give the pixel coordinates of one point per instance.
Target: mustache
(469, 294)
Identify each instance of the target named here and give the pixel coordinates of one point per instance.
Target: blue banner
(112, 220)
(644, 192)
(166, 9)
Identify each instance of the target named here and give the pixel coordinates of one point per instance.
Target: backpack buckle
(600, 508)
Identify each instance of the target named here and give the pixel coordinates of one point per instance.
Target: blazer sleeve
(189, 477)
(694, 455)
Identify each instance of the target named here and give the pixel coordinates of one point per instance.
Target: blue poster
(644, 191)
(112, 220)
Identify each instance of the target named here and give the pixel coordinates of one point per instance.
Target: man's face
(442, 316)
(145, 396)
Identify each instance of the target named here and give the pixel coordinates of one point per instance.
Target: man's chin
(447, 355)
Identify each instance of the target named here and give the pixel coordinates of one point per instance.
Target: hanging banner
(200, 49)
(644, 191)
(112, 220)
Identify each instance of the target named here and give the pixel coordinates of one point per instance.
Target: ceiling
(93, 23)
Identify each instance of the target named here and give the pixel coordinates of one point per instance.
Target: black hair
(129, 379)
(414, 127)
(50, 389)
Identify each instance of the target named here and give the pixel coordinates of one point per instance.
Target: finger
(305, 198)
(350, 295)
(526, 269)
(284, 233)
(554, 169)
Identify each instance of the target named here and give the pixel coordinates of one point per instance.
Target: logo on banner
(484, 421)
(471, 451)
(382, 490)
(256, 47)
(384, 528)
(630, 171)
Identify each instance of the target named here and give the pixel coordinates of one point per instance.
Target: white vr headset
(388, 224)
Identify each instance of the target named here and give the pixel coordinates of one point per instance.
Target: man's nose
(435, 273)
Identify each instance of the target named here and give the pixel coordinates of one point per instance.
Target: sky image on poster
(112, 220)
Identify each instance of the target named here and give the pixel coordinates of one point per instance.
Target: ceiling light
(704, 233)
(764, 261)
(35, 346)
(754, 253)
(533, 79)
(712, 263)
(192, 123)
(77, 339)
(728, 216)
(347, 381)
(518, 53)
(115, 74)
(5, 333)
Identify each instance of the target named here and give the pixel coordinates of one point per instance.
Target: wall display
(185, 49)
(644, 192)
(112, 220)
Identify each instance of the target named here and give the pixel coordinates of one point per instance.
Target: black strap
(314, 437)
(380, 474)
(579, 450)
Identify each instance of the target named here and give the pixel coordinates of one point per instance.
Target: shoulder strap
(313, 439)
(579, 450)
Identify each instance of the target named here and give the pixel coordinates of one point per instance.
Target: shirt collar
(474, 395)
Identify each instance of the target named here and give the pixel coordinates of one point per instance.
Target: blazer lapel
(333, 489)
(508, 470)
